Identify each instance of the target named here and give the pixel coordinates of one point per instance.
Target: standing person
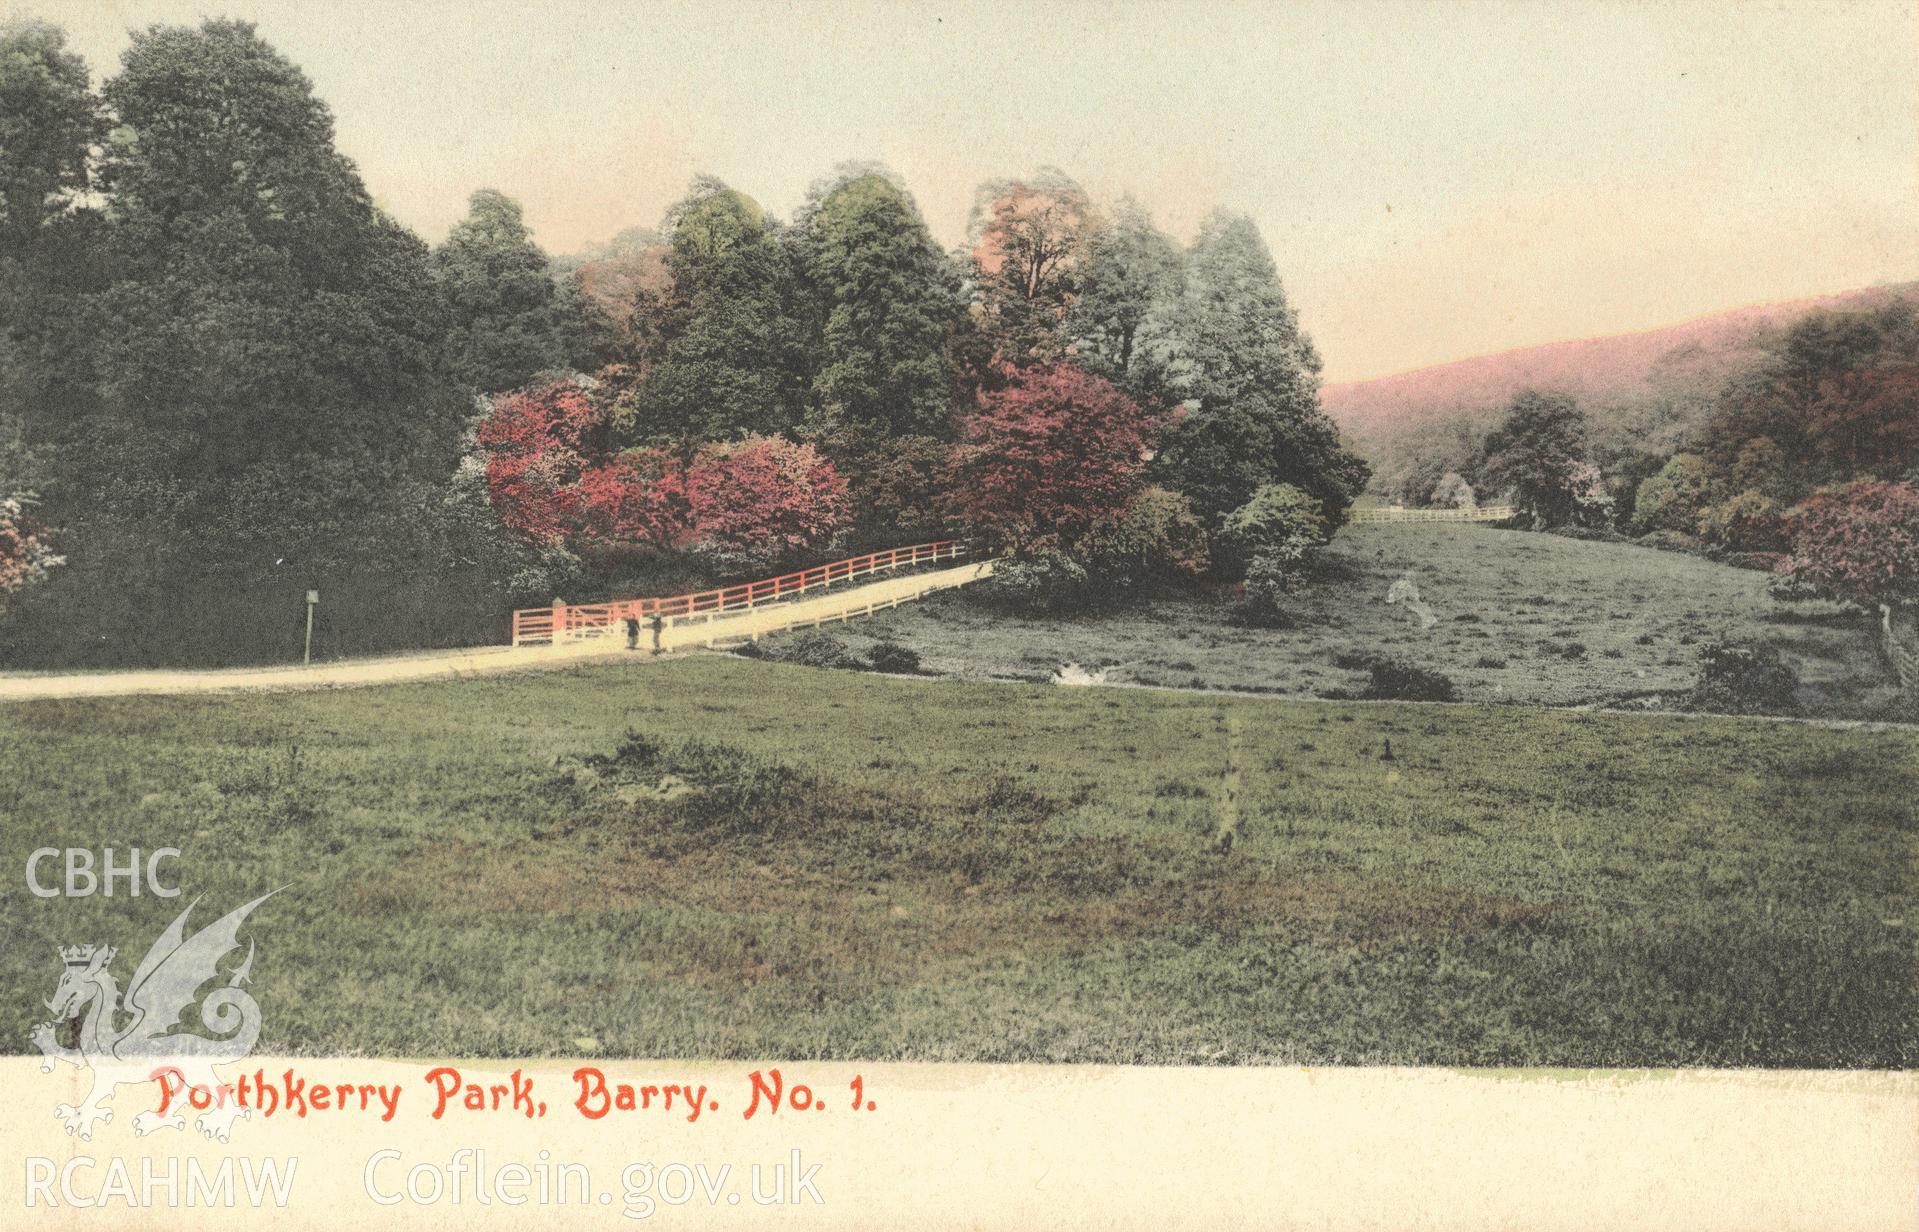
(632, 632)
(659, 623)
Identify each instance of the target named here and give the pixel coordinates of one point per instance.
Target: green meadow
(720, 858)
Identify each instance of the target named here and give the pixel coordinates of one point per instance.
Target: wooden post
(313, 601)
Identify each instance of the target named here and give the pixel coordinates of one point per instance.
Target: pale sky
(1436, 180)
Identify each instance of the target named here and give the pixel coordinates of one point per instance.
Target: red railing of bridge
(550, 624)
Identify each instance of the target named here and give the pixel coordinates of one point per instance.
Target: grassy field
(1528, 618)
(788, 862)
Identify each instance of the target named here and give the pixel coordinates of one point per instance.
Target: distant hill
(1599, 371)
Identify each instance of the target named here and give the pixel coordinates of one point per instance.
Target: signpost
(313, 601)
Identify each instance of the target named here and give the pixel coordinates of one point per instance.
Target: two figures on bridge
(657, 624)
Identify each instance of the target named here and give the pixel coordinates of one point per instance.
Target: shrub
(1159, 541)
(1044, 583)
(24, 555)
(1859, 542)
(1763, 562)
(893, 658)
(553, 478)
(899, 486)
(537, 443)
(1748, 522)
(1400, 681)
(1590, 534)
(1671, 541)
(764, 498)
(1452, 492)
(811, 649)
(1670, 501)
(1282, 523)
(1744, 678)
(1395, 680)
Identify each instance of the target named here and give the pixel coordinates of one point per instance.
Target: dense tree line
(226, 377)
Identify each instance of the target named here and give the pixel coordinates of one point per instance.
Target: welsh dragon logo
(125, 1039)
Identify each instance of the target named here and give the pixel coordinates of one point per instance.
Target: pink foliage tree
(554, 479)
(1858, 542)
(1055, 455)
(538, 443)
(765, 497)
(1861, 542)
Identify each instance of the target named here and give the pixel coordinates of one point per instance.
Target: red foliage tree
(765, 497)
(1858, 542)
(1053, 456)
(636, 502)
(553, 479)
(538, 443)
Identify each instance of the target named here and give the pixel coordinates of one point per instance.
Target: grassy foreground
(798, 863)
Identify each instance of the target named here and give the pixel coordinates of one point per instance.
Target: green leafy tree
(509, 320)
(1672, 499)
(887, 307)
(49, 120)
(731, 359)
(260, 403)
(1123, 322)
(1254, 377)
(1538, 454)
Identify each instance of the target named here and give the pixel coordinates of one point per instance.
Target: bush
(1394, 680)
(1670, 541)
(764, 498)
(1763, 562)
(1590, 534)
(1399, 681)
(1749, 522)
(1045, 584)
(811, 649)
(1669, 502)
(1159, 542)
(1744, 678)
(24, 554)
(1858, 542)
(1052, 457)
(899, 487)
(893, 658)
(1282, 523)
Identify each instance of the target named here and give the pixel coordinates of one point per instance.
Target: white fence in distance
(1484, 513)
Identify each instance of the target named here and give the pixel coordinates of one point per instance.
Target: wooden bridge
(1485, 513)
(842, 590)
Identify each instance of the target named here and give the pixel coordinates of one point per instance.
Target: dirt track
(442, 665)
(841, 604)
